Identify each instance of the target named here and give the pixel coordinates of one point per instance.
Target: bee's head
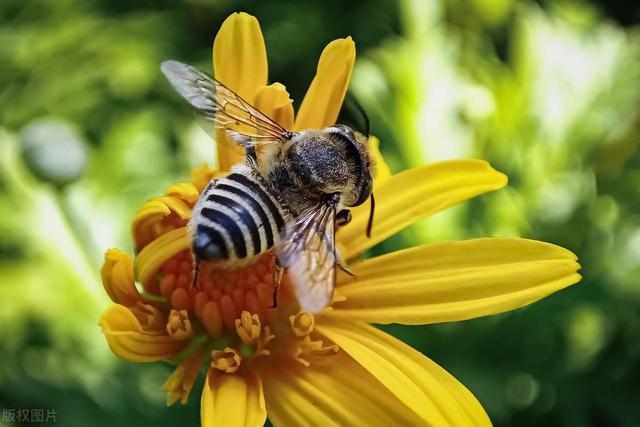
(359, 161)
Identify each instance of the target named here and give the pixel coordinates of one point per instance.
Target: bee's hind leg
(278, 272)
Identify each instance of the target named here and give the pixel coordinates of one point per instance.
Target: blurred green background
(547, 91)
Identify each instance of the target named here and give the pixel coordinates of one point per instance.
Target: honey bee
(291, 193)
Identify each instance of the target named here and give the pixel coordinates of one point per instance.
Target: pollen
(179, 325)
(227, 360)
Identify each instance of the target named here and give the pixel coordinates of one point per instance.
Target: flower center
(235, 310)
(221, 296)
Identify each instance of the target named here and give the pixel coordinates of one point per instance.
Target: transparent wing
(217, 103)
(308, 252)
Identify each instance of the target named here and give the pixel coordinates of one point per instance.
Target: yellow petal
(148, 223)
(240, 63)
(177, 205)
(117, 277)
(128, 340)
(323, 100)
(274, 101)
(185, 191)
(159, 251)
(229, 152)
(201, 176)
(335, 392)
(415, 194)
(382, 171)
(454, 281)
(232, 400)
(145, 224)
(240, 56)
(433, 394)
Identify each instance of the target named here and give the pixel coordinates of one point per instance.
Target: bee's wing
(308, 252)
(216, 102)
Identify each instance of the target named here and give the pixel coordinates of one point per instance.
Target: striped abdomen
(237, 217)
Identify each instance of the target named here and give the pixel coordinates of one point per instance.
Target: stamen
(302, 323)
(261, 347)
(179, 325)
(227, 360)
(248, 327)
(309, 351)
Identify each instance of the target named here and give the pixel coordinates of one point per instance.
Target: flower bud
(54, 151)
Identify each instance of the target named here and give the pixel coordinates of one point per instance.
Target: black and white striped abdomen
(237, 217)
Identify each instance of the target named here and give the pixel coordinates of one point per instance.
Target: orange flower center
(235, 310)
(221, 296)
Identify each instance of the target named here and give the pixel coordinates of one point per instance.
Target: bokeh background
(547, 91)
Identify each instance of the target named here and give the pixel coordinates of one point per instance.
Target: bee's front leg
(195, 282)
(343, 217)
(278, 272)
(342, 264)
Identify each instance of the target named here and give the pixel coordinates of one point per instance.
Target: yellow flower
(332, 368)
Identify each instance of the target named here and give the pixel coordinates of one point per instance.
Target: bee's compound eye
(206, 246)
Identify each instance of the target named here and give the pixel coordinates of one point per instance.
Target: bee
(291, 192)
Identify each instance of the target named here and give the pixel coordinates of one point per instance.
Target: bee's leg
(278, 272)
(196, 273)
(343, 217)
(342, 264)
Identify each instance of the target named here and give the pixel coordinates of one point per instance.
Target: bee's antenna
(370, 222)
(353, 115)
(365, 116)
